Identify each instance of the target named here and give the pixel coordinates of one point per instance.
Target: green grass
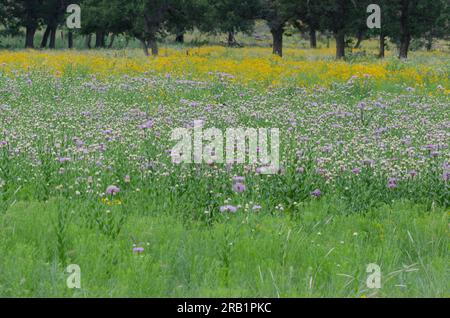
(317, 253)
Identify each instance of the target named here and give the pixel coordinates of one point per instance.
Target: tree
(307, 15)
(26, 14)
(388, 18)
(187, 15)
(230, 17)
(408, 19)
(9, 24)
(342, 17)
(52, 14)
(150, 20)
(147, 18)
(97, 15)
(441, 27)
(277, 13)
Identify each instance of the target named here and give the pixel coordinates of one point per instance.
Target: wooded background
(149, 21)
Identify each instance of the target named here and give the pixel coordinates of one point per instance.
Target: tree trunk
(103, 38)
(179, 38)
(382, 45)
(70, 39)
(360, 38)
(145, 47)
(153, 45)
(429, 44)
(99, 39)
(340, 45)
(277, 35)
(29, 37)
(231, 40)
(52, 38)
(405, 40)
(405, 35)
(312, 38)
(45, 37)
(87, 41)
(111, 41)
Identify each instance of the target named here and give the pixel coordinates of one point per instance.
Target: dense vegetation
(87, 175)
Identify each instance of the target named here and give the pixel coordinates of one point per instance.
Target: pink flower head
(300, 170)
(138, 250)
(392, 183)
(228, 208)
(316, 193)
(112, 190)
(239, 187)
(147, 125)
(63, 159)
(238, 179)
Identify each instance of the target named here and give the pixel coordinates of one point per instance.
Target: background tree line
(151, 20)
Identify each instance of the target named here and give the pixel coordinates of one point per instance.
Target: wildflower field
(87, 177)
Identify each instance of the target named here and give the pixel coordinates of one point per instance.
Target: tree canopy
(151, 20)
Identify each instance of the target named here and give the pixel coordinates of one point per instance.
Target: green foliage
(150, 20)
(228, 16)
(318, 254)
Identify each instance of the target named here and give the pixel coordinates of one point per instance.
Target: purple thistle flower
(239, 187)
(147, 125)
(256, 207)
(238, 179)
(430, 147)
(300, 170)
(434, 153)
(356, 171)
(101, 148)
(228, 208)
(368, 162)
(112, 190)
(316, 193)
(392, 183)
(446, 176)
(413, 173)
(138, 250)
(63, 159)
(79, 142)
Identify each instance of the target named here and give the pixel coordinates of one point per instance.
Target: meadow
(86, 175)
